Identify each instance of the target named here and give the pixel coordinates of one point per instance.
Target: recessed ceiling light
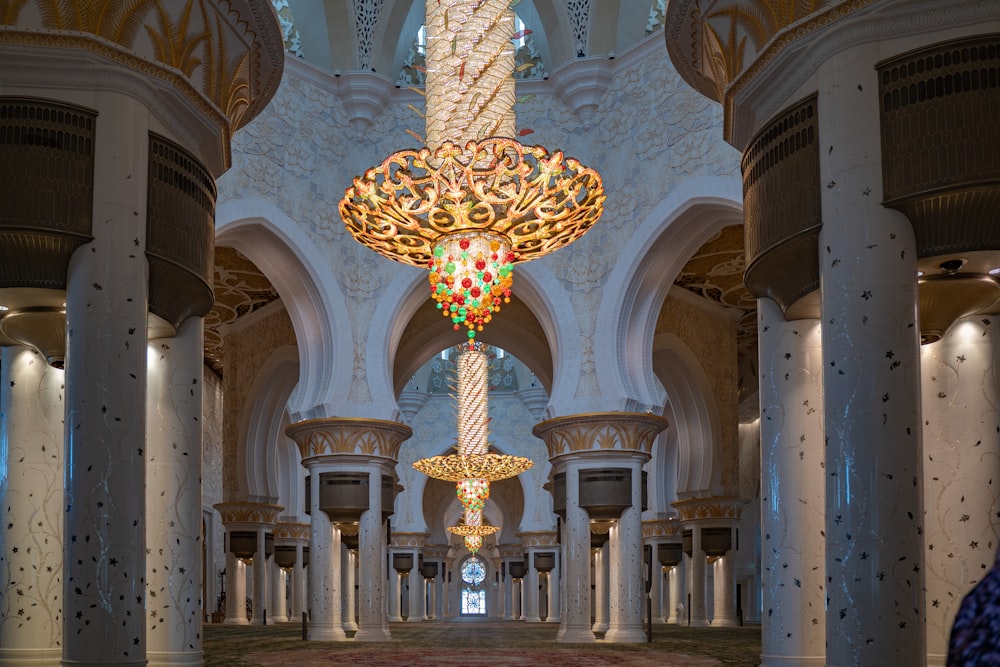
(3, 308)
(995, 271)
(919, 273)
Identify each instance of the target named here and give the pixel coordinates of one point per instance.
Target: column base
(325, 633)
(532, 619)
(599, 628)
(16, 657)
(936, 660)
(372, 635)
(555, 619)
(699, 623)
(627, 635)
(351, 626)
(238, 620)
(576, 636)
(175, 658)
(791, 661)
(87, 663)
(725, 623)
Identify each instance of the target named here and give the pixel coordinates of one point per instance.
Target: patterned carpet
(468, 643)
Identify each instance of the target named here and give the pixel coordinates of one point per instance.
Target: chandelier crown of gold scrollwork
(537, 201)
(457, 467)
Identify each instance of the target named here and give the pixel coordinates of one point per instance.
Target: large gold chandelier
(473, 467)
(474, 201)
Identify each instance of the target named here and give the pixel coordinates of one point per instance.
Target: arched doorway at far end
(473, 592)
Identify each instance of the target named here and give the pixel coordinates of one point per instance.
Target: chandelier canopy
(474, 201)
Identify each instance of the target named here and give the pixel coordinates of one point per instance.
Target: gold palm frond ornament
(474, 201)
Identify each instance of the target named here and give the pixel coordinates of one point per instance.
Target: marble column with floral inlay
(793, 505)
(871, 384)
(596, 440)
(104, 565)
(31, 494)
(236, 590)
(961, 411)
(173, 496)
(349, 563)
(626, 587)
(368, 447)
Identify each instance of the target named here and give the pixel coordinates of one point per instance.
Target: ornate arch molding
(646, 269)
(262, 423)
(297, 269)
(695, 416)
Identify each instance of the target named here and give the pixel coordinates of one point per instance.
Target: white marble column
(518, 602)
(871, 363)
(324, 574)
(723, 578)
(508, 594)
(961, 411)
(697, 585)
(298, 585)
(31, 495)
(278, 612)
(576, 625)
(529, 590)
(554, 584)
(371, 572)
(173, 497)
(395, 595)
(626, 588)
(655, 586)
(104, 565)
(349, 566)
(792, 503)
(440, 591)
(677, 605)
(236, 591)
(260, 579)
(417, 593)
(602, 596)
(429, 585)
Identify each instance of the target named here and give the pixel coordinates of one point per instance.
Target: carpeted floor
(468, 643)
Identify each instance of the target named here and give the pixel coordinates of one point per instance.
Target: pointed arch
(290, 259)
(638, 283)
(693, 414)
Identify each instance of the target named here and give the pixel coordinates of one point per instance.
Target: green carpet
(481, 643)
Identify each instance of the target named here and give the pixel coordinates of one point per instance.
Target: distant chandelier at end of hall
(474, 201)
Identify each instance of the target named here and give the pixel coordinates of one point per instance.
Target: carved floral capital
(661, 528)
(717, 507)
(336, 435)
(244, 512)
(600, 431)
(292, 531)
(542, 538)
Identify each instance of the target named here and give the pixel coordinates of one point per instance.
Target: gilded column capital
(331, 436)
(292, 532)
(541, 539)
(661, 528)
(248, 513)
(510, 551)
(713, 508)
(436, 551)
(408, 540)
(600, 432)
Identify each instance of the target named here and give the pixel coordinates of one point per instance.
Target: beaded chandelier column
(474, 201)
(473, 467)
